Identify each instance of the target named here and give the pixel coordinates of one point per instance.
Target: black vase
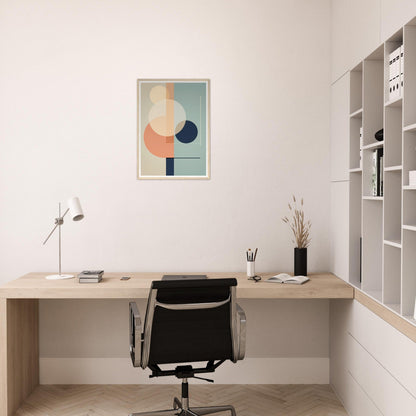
(301, 261)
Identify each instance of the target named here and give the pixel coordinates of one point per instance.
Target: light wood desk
(19, 315)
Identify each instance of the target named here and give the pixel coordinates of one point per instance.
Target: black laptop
(184, 276)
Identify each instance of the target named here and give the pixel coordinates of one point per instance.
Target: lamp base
(59, 276)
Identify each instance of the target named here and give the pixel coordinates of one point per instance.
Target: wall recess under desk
(383, 264)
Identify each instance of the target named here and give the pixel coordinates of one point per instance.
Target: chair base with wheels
(181, 407)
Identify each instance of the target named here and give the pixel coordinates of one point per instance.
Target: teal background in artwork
(193, 98)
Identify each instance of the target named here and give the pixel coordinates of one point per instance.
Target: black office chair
(188, 321)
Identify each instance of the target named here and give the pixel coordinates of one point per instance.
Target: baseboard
(249, 371)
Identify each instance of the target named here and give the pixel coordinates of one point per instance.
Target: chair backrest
(190, 321)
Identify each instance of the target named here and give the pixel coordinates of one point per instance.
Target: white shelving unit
(382, 232)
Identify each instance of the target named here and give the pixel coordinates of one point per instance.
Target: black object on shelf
(379, 135)
(301, 261)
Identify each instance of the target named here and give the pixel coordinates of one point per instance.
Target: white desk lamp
(75, 210)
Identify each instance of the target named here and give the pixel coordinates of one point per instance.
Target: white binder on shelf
(390, 75)
(401, 69)
(394, 74)
(392, 63)
(397, 72)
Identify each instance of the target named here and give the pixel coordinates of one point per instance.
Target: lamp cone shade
(75, 210)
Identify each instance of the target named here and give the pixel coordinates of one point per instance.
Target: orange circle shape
(160, 146)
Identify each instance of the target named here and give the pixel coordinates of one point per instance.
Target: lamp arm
(66, 212)
(58, 221)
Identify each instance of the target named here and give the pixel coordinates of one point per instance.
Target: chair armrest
(135, 329)
(241, 332)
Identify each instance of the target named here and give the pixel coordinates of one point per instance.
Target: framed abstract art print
(172, 129)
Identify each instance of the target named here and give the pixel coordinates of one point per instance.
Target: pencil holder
(251, 269)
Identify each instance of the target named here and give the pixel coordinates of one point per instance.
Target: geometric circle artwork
(158, 145)
(188, 132)
(173, 129)
(165, 115)
(158, 93)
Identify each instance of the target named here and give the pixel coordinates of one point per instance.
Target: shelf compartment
(393, 168)
(373, 99)
(368, 155)
(375, 145)
(392, 275)
(408, 292)
(355, 125)
(393, 136)
(356, 89)
(392, 206)
(372, 247)
(409, 155)
(390, 46)
(409, 207)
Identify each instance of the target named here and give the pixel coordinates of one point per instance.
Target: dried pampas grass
(300, 228)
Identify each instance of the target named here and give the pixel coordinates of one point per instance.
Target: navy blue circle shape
(188, 133)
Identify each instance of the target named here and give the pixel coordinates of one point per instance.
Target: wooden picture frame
(173, 129)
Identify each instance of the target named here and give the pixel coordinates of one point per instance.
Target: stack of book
(90, 276)
(377, 168)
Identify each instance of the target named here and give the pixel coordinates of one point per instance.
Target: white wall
(68, 127)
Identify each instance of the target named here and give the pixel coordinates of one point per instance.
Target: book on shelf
(374, 173)
(380, 155)
(287, 278)
(377, 167)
